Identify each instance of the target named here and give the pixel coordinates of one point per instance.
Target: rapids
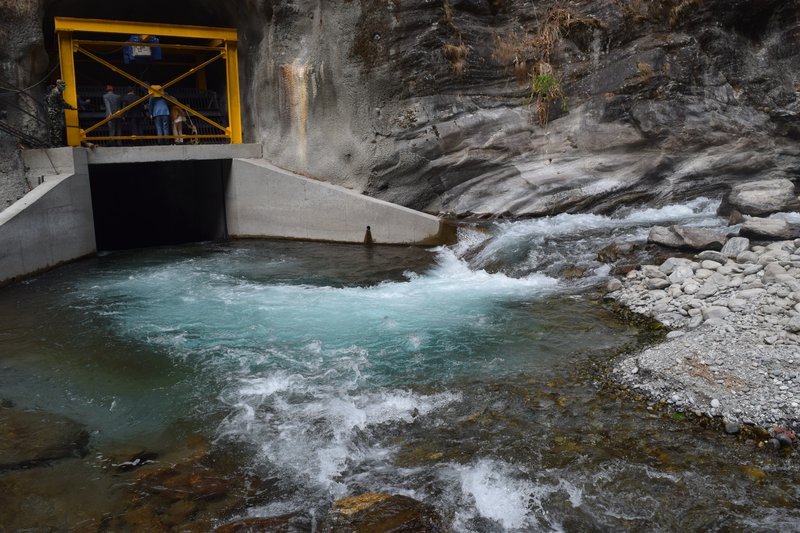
(465, 377)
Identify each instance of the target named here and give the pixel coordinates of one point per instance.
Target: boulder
(766, 228)
(688, 237)
(711, 255)
(760, 198)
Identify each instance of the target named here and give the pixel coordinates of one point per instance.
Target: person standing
(159, 111)
(177, 117)
(55, 104)
(134, 117)
(113, 103)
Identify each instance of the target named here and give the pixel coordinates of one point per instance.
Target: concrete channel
(84, 200)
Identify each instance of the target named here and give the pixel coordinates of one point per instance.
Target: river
(469, 378)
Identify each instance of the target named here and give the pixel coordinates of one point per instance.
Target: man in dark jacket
(113, 103)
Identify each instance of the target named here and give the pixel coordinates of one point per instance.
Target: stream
(293, 374)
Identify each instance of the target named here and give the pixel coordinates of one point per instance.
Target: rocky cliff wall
(427, 103)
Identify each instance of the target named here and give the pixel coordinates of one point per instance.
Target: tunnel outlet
(137, 205)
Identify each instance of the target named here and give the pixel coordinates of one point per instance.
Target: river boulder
(687, 237)
(766, 228)
(759, 198)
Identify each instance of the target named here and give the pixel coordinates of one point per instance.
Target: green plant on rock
(546, 89)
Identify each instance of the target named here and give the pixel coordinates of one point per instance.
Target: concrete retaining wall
(263, 200)
(51, 224)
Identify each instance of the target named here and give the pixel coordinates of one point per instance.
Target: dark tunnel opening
(163, 203)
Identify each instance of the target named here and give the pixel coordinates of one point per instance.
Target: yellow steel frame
(223, 41)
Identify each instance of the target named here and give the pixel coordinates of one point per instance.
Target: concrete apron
(54, 223)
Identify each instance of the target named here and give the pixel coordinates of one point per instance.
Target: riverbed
(280, 376)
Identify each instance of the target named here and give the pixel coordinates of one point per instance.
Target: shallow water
(314, 372)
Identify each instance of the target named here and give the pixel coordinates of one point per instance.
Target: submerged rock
(29, 438)
(382, 513)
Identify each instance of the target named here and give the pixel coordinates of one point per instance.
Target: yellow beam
(116, 44)
(71, 92)
(138, 28)
(234, 106)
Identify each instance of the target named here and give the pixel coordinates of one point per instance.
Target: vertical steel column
(234, 105)
(66, 56)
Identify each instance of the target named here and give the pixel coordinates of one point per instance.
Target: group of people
(166, 119)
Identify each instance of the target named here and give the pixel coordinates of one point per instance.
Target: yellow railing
(223, 42)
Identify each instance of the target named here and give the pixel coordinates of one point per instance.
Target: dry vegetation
(456, 54)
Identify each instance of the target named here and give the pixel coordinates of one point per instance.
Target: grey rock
(714, 312)
(669, 266)
(731, 427)
(613, 285)
(766, 228)
(763, 197)
(772, 271)
(794, 325)
(711, 255)
(749, 294)
(735, 246)
(681, 273)
(656, 283)
(710, 265)
(747, 257)
(652, 271)
(665, 237)
(701, 238)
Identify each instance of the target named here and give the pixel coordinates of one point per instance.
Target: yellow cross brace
(221, 40)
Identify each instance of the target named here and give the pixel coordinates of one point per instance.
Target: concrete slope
(50, 225)
(263, 200)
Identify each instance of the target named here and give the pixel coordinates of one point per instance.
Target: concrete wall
(263, 200)
(51, 224)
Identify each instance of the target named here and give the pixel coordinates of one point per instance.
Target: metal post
(65, 50)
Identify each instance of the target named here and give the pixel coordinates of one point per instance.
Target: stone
(616, 250)
(680, 274)
(701, 238)
(652, 271)
(715, 312)
(766, 228)
(669, 266)
(665, 237)
(613, 285)
(711, 255)
(735, 246)
(715, 403)
(771, 273)
(737, 304)
(793, 326)
(747, 257)
(656, 283)
(731, 427)
(707, 290)
(710, 265)
(763, 197)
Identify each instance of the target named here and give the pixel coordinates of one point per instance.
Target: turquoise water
(465, 377)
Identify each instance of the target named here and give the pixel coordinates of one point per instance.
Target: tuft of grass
(546, 89)
(456, 54)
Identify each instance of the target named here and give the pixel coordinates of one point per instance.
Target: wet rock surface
(734, 348)
(34, 438)
(382, 513)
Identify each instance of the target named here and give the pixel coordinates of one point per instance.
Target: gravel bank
(734, 348)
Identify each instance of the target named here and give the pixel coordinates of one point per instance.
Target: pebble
(735, 328)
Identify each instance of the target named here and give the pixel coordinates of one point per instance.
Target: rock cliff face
(427, 103)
